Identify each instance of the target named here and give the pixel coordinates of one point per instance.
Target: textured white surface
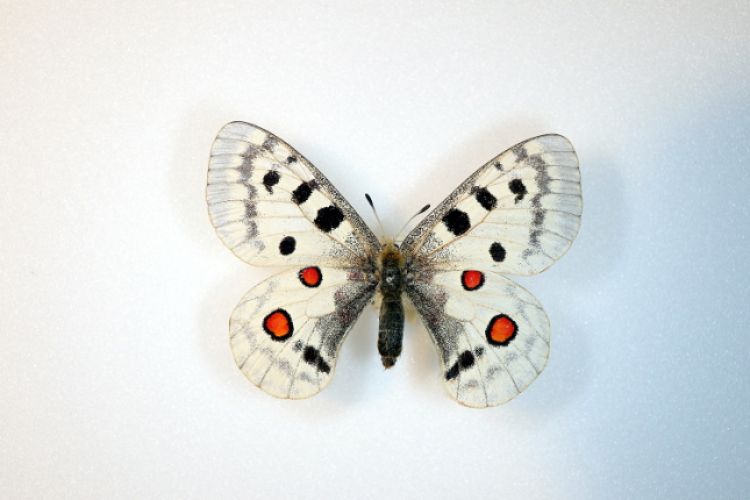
(117, 378)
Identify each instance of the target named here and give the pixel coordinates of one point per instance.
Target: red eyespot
(501, 330)
(278, 325)
(472, 280)
(311, 276)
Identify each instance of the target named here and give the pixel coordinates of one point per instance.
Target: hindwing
(286, 331)
(492, 335)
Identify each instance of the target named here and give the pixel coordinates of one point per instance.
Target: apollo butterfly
(517, 214)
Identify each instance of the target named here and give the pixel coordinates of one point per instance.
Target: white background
(116, 378)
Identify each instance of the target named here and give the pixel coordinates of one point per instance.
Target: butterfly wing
(491, 334)
(286, 331)
(517, 214)
(271, 206)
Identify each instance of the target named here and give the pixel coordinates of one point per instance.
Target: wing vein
(481, 375)
(278, 353)
(499, 361)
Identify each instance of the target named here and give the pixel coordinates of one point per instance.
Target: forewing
(286, 331)
(517, 214)
(492, 335)
(271, 206)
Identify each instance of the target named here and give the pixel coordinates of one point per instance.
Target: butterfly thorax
(391, 271)
(391, 278)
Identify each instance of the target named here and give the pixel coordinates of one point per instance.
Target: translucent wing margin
(271, 206)
(493, 338)
(286, 332)
(517, 214)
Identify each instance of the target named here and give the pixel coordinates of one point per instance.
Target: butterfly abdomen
(391, 329)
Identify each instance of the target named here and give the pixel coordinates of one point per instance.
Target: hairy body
(391, 276)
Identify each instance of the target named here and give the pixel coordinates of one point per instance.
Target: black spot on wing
(312, 357)
(329, 218)
(497, 252)
(270, 180)
(465, 361)
(518, 188)
(287, 245)
(323, 366)
(485, 198)
(457, 221)
(302, 193)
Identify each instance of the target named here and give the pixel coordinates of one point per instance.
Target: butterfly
(517, 214)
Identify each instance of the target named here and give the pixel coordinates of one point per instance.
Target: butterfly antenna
(380, 224)
(420, 212)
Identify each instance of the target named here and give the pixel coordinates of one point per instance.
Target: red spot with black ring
(311, 276)
(472, 280)
(501, 330)
(278, 325)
